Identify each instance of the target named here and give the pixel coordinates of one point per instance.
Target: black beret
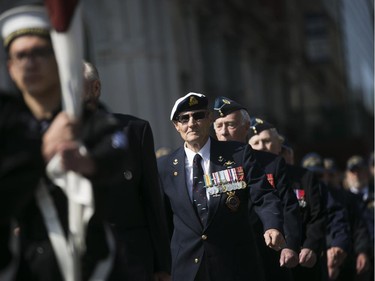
(258, 125)
(313, 162)
(224, 106)
(189, 102)
(355, 162)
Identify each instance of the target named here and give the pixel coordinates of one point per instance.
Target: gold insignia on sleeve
(193, 101)
(175, 162)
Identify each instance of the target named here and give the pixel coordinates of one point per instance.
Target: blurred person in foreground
(33, 130)
(136, 210)
(232, 123)
(264, 136)
(210, 188)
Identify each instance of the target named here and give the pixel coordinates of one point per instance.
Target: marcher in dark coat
(311, 198)
(136, 210)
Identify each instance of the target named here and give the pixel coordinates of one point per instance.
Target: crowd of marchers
(229, 204)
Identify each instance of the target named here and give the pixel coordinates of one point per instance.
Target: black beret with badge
(258, 125)
(224, 106)
(189, 102)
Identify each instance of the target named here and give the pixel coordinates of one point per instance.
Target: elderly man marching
(210, 187)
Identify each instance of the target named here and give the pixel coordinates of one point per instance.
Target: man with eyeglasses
(209, 189)
(33, 129)
(232, 123)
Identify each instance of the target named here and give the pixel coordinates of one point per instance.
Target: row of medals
(226, 181)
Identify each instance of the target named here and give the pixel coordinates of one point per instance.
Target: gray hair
(90, 72)
(245, 116)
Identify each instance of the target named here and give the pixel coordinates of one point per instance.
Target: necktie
(199, 192)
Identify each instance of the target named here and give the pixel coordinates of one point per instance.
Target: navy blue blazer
(223, 244)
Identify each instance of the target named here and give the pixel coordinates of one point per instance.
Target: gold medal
(233, 202)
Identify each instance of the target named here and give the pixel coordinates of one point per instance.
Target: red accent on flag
(61, 13)
(271, 180)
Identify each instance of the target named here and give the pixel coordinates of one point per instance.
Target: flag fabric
(61, 13)
(67, 40)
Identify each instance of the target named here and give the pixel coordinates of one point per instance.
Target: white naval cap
(191, 101)
(23, 20)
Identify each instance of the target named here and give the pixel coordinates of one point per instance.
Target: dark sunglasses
(196, 116)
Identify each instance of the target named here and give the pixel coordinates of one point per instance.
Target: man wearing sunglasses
(209, 189)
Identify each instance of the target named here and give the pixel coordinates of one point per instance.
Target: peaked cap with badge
(224, 106)
(24, 20)
(258, 125)
(189, 102)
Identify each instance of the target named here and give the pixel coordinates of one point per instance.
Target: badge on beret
(193, 101)
(226, 101)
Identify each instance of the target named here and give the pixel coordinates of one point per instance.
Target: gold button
(196, 260)
(204, 237)
(175, 173)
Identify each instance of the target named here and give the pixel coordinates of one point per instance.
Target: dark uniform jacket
(20, 140)
(136, 211)
(358, 233)
(275, 168)
(222, 246)
(312, 199)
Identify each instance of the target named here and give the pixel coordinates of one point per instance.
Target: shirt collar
(204, 152)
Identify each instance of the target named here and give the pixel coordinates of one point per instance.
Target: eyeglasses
(36, 54)
(184, 119)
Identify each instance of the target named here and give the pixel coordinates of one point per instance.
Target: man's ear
(97, 88)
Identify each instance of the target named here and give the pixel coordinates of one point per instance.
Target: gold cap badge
(193, 101)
